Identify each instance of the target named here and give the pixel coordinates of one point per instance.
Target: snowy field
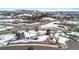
(36, 23)
(50, 25)
(73, 22)
(48, 19)
(24, 15)
(3, 28)
(74, 33)
(5, 38)
(40, 35)
(31, 35)
(9, 20)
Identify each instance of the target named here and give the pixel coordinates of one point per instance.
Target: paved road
(72, 46)
(26, 46)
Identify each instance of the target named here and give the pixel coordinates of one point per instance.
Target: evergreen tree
(17, 36)
(48, 32)
(23, 36)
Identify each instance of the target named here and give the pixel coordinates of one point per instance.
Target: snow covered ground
(40, 39)
(50, 25)
(2, 28)
(9, 20)
(29, 34)
(73, 22)
(74, 33)
(32, 34)
(61, 39)
(5, 38)
(36, 23)
(48, 19)
(41, 32)
(24, 15)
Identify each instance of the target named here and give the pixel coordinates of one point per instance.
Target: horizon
(40, 9)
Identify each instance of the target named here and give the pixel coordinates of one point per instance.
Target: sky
(42, 5)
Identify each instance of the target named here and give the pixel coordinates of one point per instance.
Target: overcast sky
(42, 5)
